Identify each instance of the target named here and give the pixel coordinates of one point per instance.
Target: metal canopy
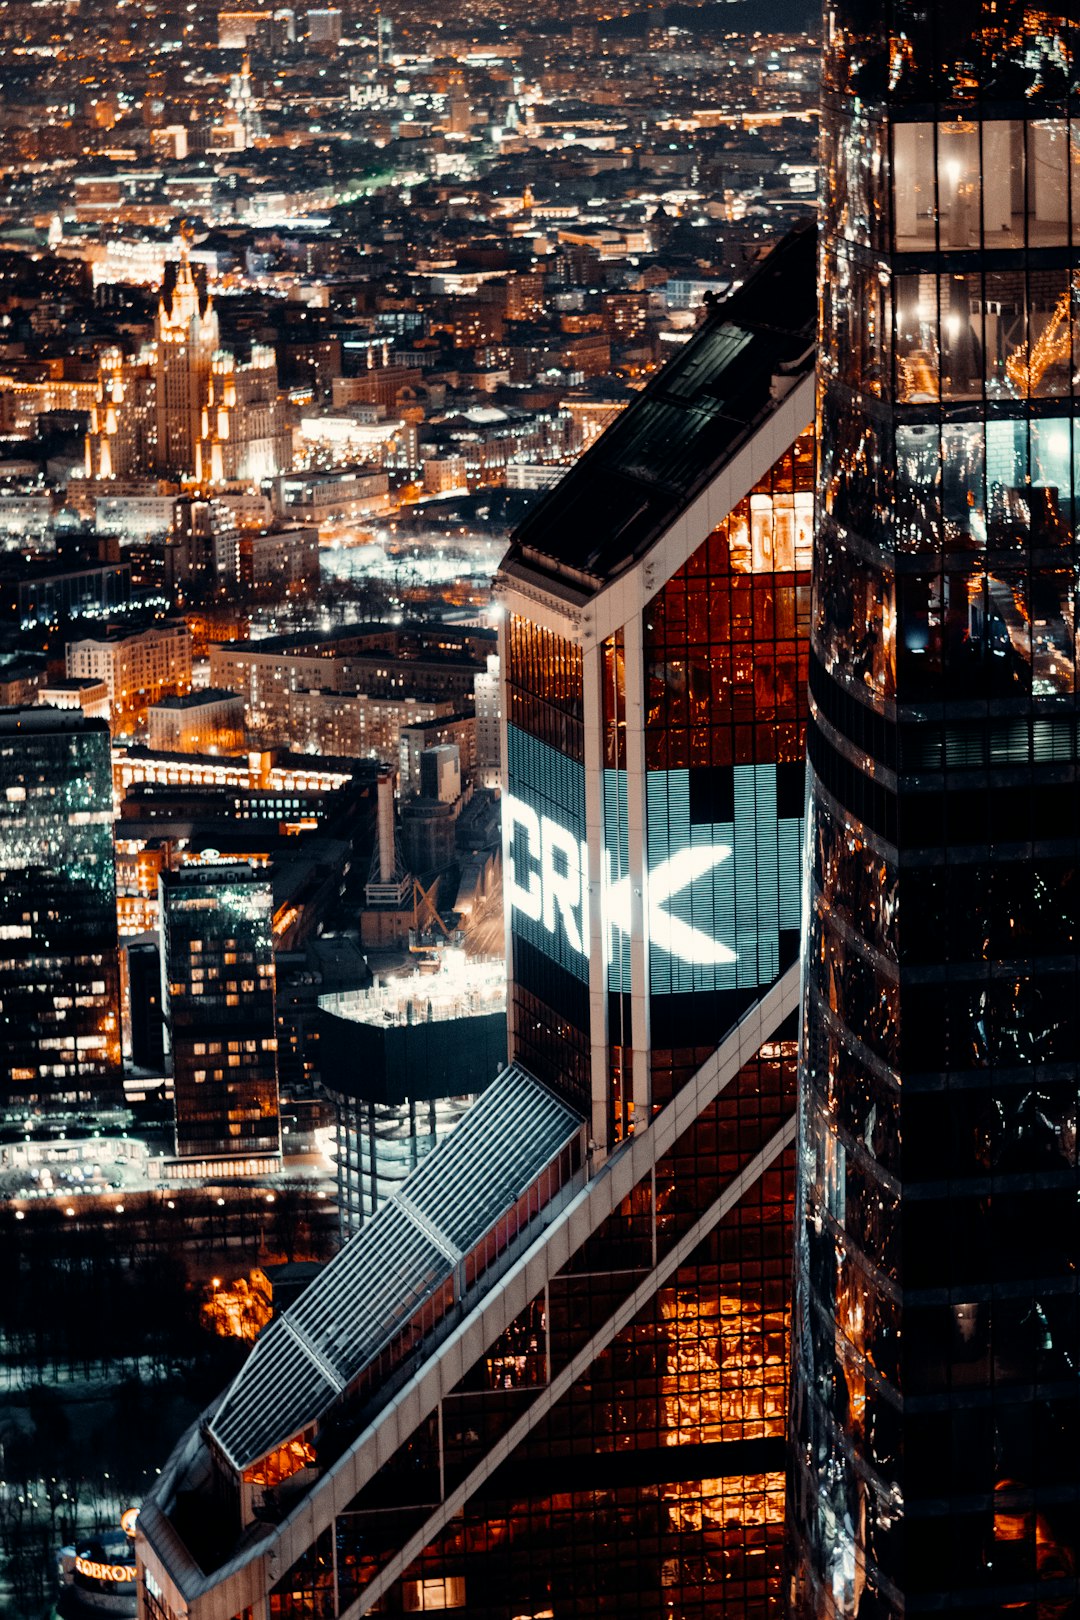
(367, 1294)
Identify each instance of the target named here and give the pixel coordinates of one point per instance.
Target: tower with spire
(187, 341)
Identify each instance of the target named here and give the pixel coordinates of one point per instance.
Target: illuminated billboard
(720, 892)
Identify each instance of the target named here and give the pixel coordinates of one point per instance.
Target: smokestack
(385, 825)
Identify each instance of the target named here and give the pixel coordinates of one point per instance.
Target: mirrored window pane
(963, 491)
(961, 337)
(917, 359)
(1049, 356)
(1005, 328)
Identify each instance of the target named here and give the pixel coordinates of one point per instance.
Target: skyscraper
(59, 968)
(184, 407)
(219, 1009)
(936, 1335)
(549, 1375)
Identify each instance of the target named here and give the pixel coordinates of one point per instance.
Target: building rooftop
(204, 697)
(74, 683)
(42, 717)
(197, 873)
(669, 443)
(461, 989)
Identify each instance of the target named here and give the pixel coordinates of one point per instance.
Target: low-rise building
(285, 559)
(356, 725)
(203, 722)
(341, 495)
(87, 694)
(457, 729)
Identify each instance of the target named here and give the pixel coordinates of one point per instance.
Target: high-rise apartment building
(549, 1376)
(59, 968)
(218, 998)
(487, 695)
(137, 667)
(937, 1324)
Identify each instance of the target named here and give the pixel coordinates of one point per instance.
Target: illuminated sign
(717, 895)
(105, 1572)
(549, 883)
(128, 1519)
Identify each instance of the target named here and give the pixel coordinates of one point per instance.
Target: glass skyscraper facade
(217, 922)
(936, 1333)
(59, 966)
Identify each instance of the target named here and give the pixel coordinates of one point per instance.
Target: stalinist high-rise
(936, 1335)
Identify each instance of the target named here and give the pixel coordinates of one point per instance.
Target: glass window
(1052, 647)
(960, 298)
(958, 184)
(1005, 328)
(1051, 457)
(963, 484)
(1048, 185)
(1008, 513)
(913, 186)
(917, 357)
(1003, 183)
(1048, 370)
(918, 487)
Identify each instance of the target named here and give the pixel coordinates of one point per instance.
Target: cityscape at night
(539, 810)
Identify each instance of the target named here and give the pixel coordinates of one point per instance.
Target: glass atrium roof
(308, 1356)
(677, 434)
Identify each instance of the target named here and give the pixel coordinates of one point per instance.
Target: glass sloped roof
(368, 1292)
(676, 435)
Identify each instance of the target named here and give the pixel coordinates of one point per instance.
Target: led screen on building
(723, 863)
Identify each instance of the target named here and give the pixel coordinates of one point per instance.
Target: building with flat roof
(401, 1062)
(382, 672)
(138, 666)
(86, 693)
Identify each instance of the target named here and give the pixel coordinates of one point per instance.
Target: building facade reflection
(934, 1399)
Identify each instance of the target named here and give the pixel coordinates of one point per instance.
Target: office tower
(486, 694)
(144, 1002)
(219, 1009)
(384, 38)
(934, 1379)
(324, 27)
(59, 969)
(549, 1376)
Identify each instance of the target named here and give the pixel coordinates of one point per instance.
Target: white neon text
(551, 887)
